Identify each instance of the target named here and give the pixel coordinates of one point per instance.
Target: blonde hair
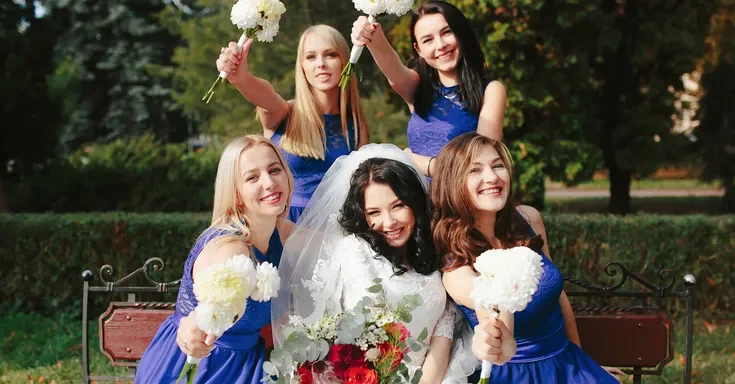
(304, 134)
(225, 215)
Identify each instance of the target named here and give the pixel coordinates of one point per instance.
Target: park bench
(633, 332)
(127, 327)
(638, 338)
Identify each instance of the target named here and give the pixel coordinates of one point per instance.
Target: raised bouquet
(372, 8)
(368, 345)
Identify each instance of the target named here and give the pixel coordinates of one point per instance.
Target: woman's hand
(191, 340)
(363, 31)
(234, 62)
(493, 341)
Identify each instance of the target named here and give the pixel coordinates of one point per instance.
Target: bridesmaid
(251, 195)
(446, 83)
(321, 124)
(474, 212)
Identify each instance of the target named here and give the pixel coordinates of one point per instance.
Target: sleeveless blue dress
(447, 118)
(544, 353)
(307, 171)
(238, 354)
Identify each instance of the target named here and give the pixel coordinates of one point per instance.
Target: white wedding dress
(360, 266)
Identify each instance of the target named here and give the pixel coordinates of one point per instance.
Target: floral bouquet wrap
(368, 345)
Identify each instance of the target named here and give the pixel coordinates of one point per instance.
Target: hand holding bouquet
(222, 291)
(372, 8)
(257, 18)
(508, 279)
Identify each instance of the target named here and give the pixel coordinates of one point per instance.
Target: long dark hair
(404, 181)
(471, 67)
(455, 236)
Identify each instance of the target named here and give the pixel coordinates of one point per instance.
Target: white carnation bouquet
(222, 291)
(257, 18)
(372, 8)
(507, 281)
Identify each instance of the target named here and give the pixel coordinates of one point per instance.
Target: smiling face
(488, 181)
(388, 215)
(264, 187)
(436, 43)
(322, 64)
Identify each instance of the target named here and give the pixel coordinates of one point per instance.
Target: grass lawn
(37, 350)
(604, 184)
(710, 205)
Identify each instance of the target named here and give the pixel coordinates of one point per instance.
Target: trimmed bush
(141, 175)
(44, 254)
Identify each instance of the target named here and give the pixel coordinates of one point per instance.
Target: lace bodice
(360, 265)
(308, 172)
(257, 314)
(447, 118)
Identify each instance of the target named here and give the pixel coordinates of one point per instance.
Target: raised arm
(272, 107)
(402, 79)
(490, 121)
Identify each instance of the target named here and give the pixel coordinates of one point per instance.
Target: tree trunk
(619, 190)
(3, 199)
(729, 198)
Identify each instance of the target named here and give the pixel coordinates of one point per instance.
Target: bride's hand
(493, 341)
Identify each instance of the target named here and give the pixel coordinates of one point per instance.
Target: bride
(370, 218)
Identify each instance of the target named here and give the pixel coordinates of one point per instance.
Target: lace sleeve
(357, 270)
(445, 326)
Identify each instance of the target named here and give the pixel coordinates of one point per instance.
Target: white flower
(398, 7)
(268, 282)
(225, 285)
(508, 278)
(372, 354)
(245, 14)
(370, 7)
(268, 32)
(213, 319)
(271, 9)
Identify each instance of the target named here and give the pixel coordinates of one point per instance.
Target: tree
(208, 27)
(598, 73)
(715, 138)
(112, 46)
(30, 116)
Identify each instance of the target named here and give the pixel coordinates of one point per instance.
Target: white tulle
(324, 270)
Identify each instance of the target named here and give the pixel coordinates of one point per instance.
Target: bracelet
(428, 167)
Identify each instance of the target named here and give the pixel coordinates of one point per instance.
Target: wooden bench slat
(626, 341)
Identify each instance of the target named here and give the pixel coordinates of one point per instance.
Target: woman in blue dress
(252, 190)
(474, 212)
(446, 84)
(321, 123)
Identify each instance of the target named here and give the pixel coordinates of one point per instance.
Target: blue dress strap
(275, 249)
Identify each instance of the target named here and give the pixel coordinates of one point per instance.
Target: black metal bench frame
(110, 287)
(641, 304)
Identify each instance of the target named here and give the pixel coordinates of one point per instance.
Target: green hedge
(43, 255)
(139, 174)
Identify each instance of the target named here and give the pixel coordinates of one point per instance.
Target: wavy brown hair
(455, 236)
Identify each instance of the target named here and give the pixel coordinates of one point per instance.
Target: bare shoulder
(218, 253)
(285, 227)
(532, 216)
(494, 90)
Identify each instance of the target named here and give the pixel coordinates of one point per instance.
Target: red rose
(344, 356)
(392, 353)
(304, 373)
(361, 375)
(397, 331)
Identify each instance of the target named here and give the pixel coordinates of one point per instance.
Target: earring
(240, 215)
